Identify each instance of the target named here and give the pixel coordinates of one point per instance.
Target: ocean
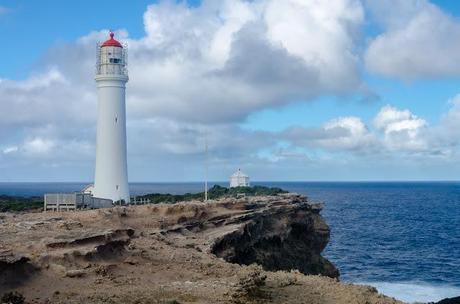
(401, 237)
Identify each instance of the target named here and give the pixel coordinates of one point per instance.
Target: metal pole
(206, 166)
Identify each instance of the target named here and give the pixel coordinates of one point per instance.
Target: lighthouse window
(115, 60)
(116, 119)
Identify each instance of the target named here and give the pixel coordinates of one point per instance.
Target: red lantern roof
(112, 42)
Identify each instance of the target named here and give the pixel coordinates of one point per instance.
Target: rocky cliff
(189, 252)
(280, 234)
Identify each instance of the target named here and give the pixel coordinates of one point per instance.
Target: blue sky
(31, 27)
(373, 97)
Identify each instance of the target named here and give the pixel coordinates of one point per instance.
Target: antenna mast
(206, 166)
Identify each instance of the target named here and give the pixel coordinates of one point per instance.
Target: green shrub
(15, 204)
(215, 192)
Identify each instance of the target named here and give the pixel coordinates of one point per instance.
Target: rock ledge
(190, 252)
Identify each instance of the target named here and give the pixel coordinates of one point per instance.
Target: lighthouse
(111, 174)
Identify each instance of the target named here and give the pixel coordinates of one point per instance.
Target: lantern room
(111, 58)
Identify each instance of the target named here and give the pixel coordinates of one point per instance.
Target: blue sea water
(401, 237)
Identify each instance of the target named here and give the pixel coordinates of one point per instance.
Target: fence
(74, 201)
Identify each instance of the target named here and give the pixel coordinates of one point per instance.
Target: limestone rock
(189, 252)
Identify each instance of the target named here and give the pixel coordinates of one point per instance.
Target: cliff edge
(191, 252)
(279, 233)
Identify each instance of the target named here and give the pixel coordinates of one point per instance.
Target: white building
(239, 179)
(111, 176)
(88, 189)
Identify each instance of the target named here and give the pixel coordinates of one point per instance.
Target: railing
(60, 202)
(139, 201)
(111, 69)
(74, 201)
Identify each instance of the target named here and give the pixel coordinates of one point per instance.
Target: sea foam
(415, 292)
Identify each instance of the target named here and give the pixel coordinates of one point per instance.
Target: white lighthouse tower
(111, 176)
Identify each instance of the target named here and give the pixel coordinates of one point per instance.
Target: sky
(286, 90)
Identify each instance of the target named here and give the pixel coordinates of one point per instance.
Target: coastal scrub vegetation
(215, 192)
(16, 203)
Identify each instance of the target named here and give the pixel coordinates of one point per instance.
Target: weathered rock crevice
(15, 270)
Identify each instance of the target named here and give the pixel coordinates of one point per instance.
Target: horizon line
(252, 182)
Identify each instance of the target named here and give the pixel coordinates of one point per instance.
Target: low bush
(215, 192)
(15, 204)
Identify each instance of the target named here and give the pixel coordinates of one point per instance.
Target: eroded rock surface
(180, 252)
(280, 234)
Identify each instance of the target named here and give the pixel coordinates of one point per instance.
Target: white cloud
(10, 149)
(38, 145)
(42, 99)
(355, 134)
(322, 33)
(161, 136)
(452, 119)
(419, 41)
(393, 132)
(402, 130)
(446, 135)
(231, 58)
(341, 134)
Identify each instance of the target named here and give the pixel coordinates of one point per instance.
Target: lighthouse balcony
(107, 69)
